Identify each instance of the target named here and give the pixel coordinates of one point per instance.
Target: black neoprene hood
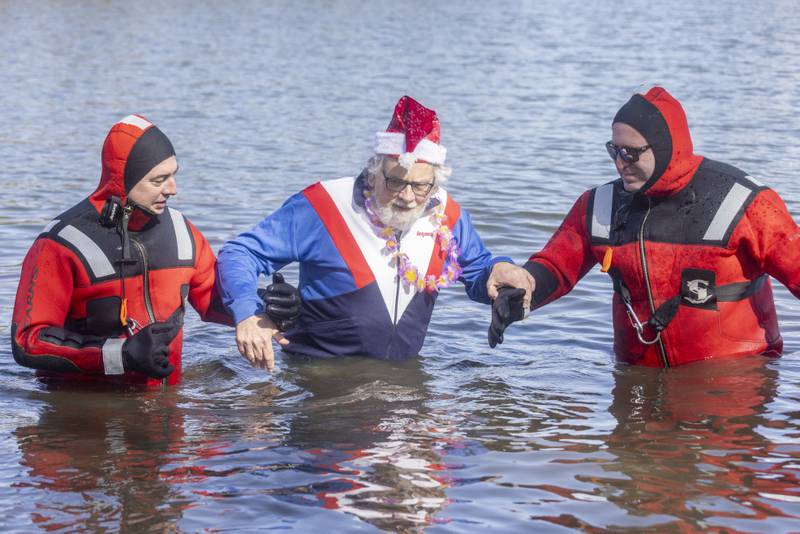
(645, 118)
(150, 149)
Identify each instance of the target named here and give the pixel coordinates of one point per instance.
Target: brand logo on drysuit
(699, 288)
(698, 291)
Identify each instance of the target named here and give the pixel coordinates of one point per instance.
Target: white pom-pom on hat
(407, 160)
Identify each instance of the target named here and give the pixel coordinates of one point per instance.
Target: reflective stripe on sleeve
(601, 211)
(93, 254)
(181, 235)
(112, 356)
(726, 212)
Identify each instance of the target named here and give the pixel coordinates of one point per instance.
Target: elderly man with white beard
(373, 253)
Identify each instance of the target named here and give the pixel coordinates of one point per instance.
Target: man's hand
(507, 308)
(506, 274)
(254, 340)
(147, 351)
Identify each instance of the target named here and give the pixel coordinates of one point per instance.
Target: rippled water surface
(545, 433)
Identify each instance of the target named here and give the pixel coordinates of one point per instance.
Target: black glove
(282, 302)
(147, 350)
(506, 308)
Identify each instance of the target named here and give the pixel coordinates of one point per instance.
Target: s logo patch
(698, 288)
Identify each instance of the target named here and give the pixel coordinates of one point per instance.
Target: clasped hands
(509, 286)
(254, 335)
(511, 289)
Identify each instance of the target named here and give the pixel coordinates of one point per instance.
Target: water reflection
(96, 456)
(538, 436)
(689, 449)
(360, 441)
(365, 430)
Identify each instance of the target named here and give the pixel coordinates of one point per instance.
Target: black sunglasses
(628, 154)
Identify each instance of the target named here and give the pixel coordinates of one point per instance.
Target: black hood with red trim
(660, 118)
(132, 148)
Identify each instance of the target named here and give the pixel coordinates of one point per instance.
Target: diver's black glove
(147, 350)
(282, 302)
(507, 308)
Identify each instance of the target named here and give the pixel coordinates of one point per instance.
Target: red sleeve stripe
(337, 228)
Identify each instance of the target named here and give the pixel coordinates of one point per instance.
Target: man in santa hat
(373, 250)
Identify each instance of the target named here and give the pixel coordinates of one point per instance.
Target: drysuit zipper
(145, 281)
(661, 349)
(146, 288)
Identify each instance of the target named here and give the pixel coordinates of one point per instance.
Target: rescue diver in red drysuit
(689, 244)
(104, 286)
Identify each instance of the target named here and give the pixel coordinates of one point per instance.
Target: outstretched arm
(475, 260)
(553, 272)
(565, 259)
(263, 249)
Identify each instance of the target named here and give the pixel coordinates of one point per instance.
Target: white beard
(399, 220)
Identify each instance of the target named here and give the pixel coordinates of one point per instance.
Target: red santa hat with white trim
(412, 135)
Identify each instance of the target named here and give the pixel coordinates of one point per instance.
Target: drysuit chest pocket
(102, 317)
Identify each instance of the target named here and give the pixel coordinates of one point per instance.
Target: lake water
(545, 433)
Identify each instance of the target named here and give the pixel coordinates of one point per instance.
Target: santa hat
(412, 135)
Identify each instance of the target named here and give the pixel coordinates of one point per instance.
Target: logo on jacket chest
(698, 288)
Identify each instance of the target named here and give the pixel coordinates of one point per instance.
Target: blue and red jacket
(353, 300)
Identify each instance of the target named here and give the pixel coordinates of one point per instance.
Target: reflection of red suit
(689, 435)
(76, 282)
(700, 238)
(101, 443)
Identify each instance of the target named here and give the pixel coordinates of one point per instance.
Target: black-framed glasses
(396, 185)
(628, 154)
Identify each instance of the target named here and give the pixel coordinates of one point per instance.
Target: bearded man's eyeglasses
(396, 185)
(628, 154)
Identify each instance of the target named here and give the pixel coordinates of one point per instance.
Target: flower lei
(407, 271)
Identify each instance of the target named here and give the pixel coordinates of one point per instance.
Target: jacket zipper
(146, 289)
(145, 281)
(661, 349)
(397, 285)
(396, 298)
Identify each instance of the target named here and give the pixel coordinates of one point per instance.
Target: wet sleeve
(39, 339)
(262, 250)
(770, 240)
(474, 258)
(204, 291)
(565, 259)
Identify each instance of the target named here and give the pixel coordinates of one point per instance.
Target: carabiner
(638, 326)
(132, 326)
